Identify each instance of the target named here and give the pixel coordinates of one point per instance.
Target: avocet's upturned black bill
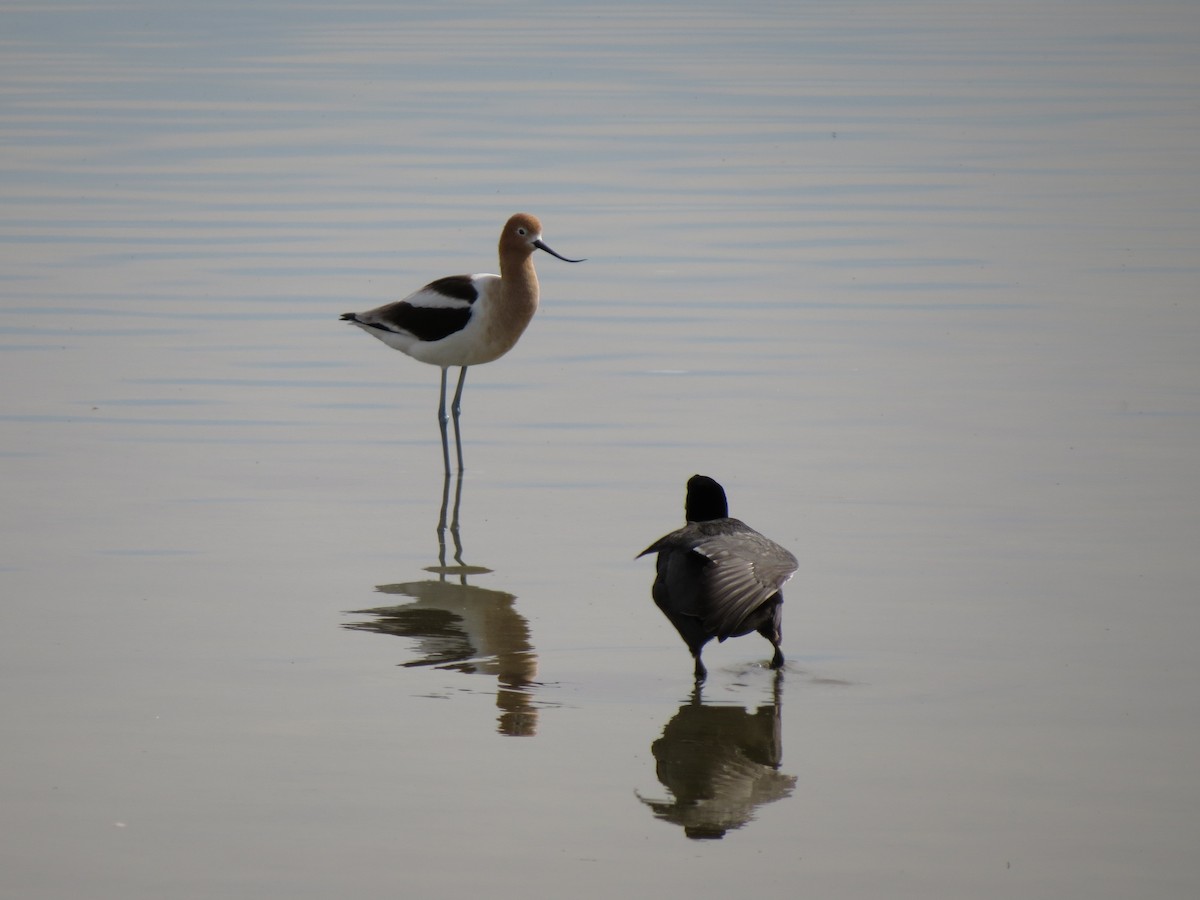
(718, 577)
(466, 320)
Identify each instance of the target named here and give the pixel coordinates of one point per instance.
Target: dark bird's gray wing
(679, 587)
(746, 571)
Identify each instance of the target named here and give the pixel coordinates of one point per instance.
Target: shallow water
(916, 282)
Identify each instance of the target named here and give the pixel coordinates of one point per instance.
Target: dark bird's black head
(705, 500)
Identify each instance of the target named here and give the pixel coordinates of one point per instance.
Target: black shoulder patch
(460, 287)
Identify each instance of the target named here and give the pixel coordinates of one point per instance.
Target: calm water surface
(917, 282)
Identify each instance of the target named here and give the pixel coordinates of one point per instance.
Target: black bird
(718, 577)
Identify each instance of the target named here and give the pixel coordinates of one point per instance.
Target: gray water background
(918, 282)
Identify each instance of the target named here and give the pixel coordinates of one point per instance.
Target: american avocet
(465, 320)
(718, 577)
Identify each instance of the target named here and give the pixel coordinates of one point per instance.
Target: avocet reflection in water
(462, 627)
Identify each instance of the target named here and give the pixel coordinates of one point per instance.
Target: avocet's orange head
(522, 234)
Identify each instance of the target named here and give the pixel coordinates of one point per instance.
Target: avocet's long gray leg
(456, 410)
(441, 526)
(454, 529)
(442, 426)
(455, 532)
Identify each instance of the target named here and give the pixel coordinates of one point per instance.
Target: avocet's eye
(522, 232)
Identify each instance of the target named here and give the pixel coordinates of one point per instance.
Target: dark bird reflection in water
(719, 763)
(464, 628)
